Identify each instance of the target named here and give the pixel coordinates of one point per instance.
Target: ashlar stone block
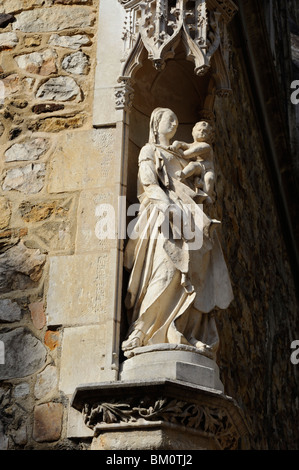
(79, 289)
(98, 221)
(83, 160)
(111, 20)
(83, 356)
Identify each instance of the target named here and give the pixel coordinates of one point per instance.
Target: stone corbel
(199, 418)
(208, 419)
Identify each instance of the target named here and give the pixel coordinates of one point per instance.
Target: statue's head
(163, 122)
(203, 131)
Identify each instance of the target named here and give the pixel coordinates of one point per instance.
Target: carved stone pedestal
(175, 362)
(159, 415)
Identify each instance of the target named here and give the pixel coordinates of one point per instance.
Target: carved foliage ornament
(204, 419)
(124, 94)
(161, 24)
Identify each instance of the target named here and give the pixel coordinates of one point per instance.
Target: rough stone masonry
(47, 66)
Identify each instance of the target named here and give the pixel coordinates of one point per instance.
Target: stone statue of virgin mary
(175, 285)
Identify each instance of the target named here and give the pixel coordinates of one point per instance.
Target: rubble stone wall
(47, 63)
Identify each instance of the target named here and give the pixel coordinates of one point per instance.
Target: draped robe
(174, 285)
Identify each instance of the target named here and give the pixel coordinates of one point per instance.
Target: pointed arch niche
(166, 53)
(176, 55)
(176, 86)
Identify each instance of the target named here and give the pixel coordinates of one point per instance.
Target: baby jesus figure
(200, 152)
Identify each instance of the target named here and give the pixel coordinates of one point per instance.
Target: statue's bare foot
(202, 346)
(134, 341)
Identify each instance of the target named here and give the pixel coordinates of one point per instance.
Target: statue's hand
(175, 146)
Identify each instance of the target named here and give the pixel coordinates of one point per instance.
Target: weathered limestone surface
(82, 345)
(76, 63)
(21, 390)
(47, 93)
(58, 123)
(20, 267)
(27, 179)
(25, 354)
(43, 63)
(46, 382)
(8, 40)
(58, 89)
(111, 21)
(47, 422)
(55, 19)
(69, 42)
(28, 150)
(90, 216)
(73, 169)
(37, 314)
(5, 213)
(9, 311)
(12, 6)
(149, 440)
(89, 300)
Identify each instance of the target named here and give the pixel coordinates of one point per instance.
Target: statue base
(159, 414)
(170, 361)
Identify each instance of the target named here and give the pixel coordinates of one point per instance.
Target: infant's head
(203, 131)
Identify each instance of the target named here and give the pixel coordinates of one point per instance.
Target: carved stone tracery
(158, 26)
(161, 24)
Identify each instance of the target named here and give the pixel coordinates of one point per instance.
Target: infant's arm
(178, 145)
(198, 149)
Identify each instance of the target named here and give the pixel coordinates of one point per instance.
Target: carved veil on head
(156, 117)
